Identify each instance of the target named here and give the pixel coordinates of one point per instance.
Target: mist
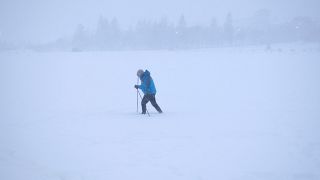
(37, 21)
(237, 82)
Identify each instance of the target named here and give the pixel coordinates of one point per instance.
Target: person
(148, 88)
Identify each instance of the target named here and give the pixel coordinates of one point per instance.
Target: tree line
(162, 34)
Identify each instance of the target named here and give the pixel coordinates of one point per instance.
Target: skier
(148, 88)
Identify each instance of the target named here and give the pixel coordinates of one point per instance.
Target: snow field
(228, 114)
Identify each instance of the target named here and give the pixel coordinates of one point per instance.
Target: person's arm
(142, 86)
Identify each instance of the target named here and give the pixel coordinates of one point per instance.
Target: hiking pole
(146, 108)
(137, 96)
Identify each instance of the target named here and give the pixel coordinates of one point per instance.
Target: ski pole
(137, 96)
(146, 108)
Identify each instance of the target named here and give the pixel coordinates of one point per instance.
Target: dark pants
(149, 97)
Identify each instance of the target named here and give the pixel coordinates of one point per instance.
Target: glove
(136, 86)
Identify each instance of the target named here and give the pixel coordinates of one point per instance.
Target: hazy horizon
(38, 21)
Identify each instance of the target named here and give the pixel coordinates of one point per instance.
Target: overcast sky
(44, 20)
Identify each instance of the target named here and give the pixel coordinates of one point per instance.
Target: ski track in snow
(228, 114)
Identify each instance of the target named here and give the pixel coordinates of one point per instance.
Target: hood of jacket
(145, 74)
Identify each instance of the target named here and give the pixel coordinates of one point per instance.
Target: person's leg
(154, 103)
(144, 102)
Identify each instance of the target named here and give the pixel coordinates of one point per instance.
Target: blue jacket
(147, 85)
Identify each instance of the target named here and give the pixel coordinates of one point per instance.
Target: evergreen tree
(181, 32)
(229, 29)
(101, 35)
(214, 36)
(80, 39)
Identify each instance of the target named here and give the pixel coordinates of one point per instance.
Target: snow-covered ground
(229, 114)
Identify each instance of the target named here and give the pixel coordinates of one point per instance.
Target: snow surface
(229, 114)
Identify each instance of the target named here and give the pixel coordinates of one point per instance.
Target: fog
(237, 81)
(38, 21)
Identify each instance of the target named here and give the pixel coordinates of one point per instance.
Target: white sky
(43, 20)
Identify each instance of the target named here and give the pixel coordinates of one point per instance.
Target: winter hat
(140, 72)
